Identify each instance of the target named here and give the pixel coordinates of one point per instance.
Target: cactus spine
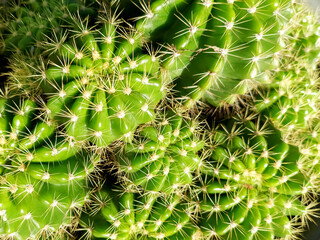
(254, 185)
(163, 157)
(43, 174)
(79, 82)
(219, 50)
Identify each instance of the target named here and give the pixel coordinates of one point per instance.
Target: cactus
(130, 215)
(24, 24)
(99, 80)
(100, 85)
(29, 139)
(291, 96)
(218, 49)
(43, 174)
(40, 200)
(163, 156)
(254, 186)
(291, 99)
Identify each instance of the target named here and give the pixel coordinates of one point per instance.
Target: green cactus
(163, 156)
(43, 174)
(81, 79)
(100, 84)
(126, 214)
(254, 186)
(291, 99)
(28, 139)
(40, 200)
(218, 49)
(24, 24)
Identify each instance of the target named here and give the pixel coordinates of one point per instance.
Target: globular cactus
(41, 200)
(163, 156)
(24, 24)
(291, 96)
(126, 214)
(254, 185)
(291, 99)
(100, 82)
(304, 38)
(30, 139)
(219, 50)
(43, 174)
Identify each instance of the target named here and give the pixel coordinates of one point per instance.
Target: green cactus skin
(163, 156)
(130, 215)
(218, 48)
(100, 83)
(291, 99)
(24, 24)
(40, 200)
(255, 186)
(43, 174)
(31, 140)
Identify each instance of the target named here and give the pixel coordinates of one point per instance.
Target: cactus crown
(101, 83)
(254, 181)
(163, 156)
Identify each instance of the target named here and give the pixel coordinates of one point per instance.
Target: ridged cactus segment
(40, 200)
(129, 215)
(221, 48)
(28, 134)
(100, 83)
(254, 186)
(24, 24)
(305, 39)
(163, 156)
(291, 99)
(185, 30)
(43, 173)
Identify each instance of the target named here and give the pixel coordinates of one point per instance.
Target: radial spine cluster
(159, 119)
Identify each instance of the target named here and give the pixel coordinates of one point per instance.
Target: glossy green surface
(254, 186)
(43, 173)
(100, 84)
(28, 134)
(163, 156)
(40, 200)
(130, 215)
(217, 50)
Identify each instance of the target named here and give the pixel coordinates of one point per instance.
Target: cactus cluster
(24, 24)
(158, 119)
(218, 50)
